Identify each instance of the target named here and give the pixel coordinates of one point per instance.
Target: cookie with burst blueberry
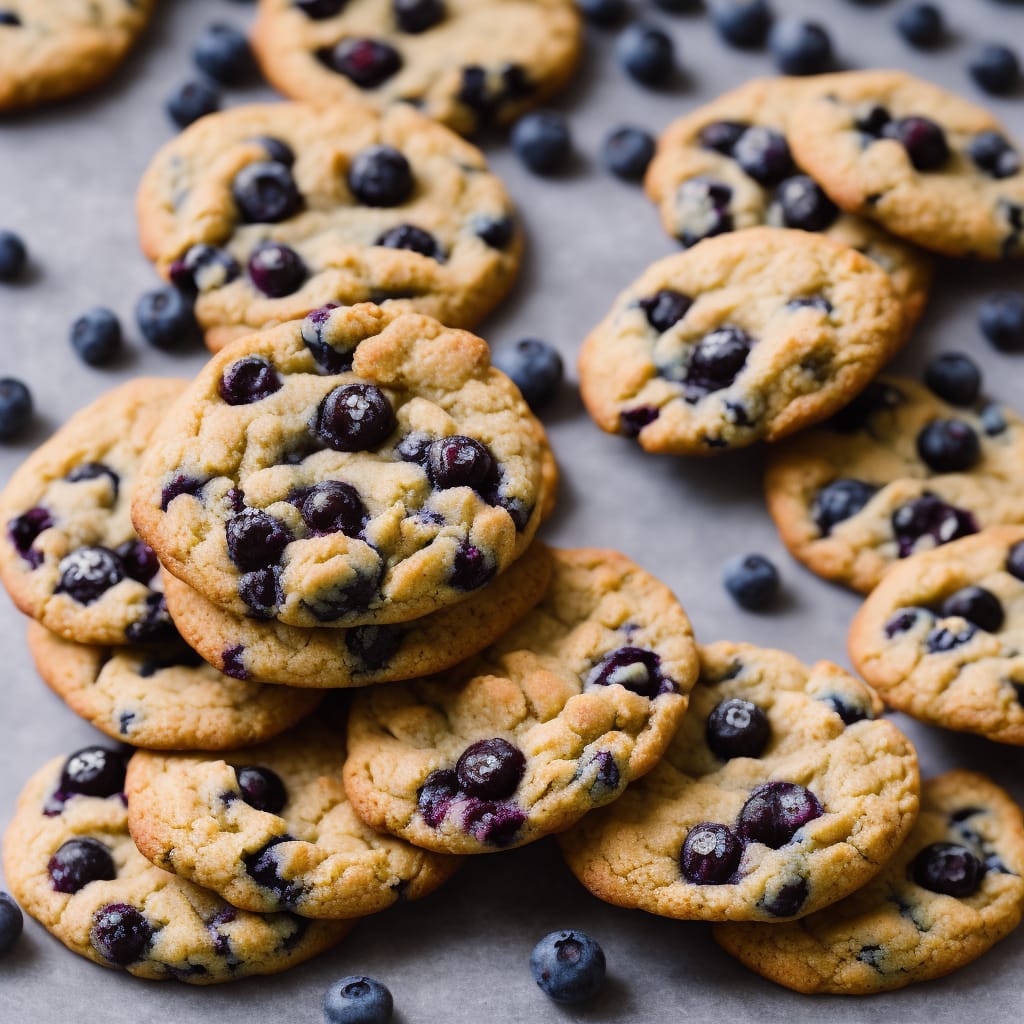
(71, 864)
(359, 467)
(69, 556)
(750, 337)
(51, 49)
(270, 829)
(728, 166)
(924, 163)
(165, 696)
(264, 213)
(270, 652)
(574, 703)
(469, 64)
(940, 636)
(780, 794)
(898, 471)
(952, 891)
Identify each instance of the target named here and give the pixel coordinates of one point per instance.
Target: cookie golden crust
(751, 336)
(802, 808)
(960, 199)
(576, 701)
(940, 649)
(69, 556)
(163, 697)
(392, 478)
(271, 652)
(699, 183)
(483, 62)
(446, 243)
(123, 912)
(898, 505)
(895, 931)
(312, 856)
(59, 48)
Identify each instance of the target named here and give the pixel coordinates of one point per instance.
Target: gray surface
(66, 181)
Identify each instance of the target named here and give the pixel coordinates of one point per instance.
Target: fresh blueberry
(408, 236)
(924, 141)
(79, 862)
(569, 966)
(203, 268)
(358, 1000)
(711, 854)
(255, 539)
(261, 788)
(776, 811)
(703, 210)
(921, 25)
(977, 605)
(947, 868)
(737, 728)
(96, 336)
(333, 506)
(948, 446)
(13, 256)
(646, 53)
(166, 319)
(276, 269)
(995, 68)
(415, 16)
(626, 152)
(954, 377)
(354, 418)
(664, 309)
(120, 933)
(804, 205)
(490, 769)
(458, 461)
(840, 500)
(191, 101)
(87, 573)
(716, 361)
(605, 13)
(742, 23)
(381, 176)
(752, 580)
(11, 923)
(800, 47)
(265, 192)
(635, 668)
(535, 368)
(542, 141)
(93, 771)
(366, 62)
(223, 53)
(320, 9)
(15, 407)
(942, 639)
(763, 153)
(1001, 319)
(994, 154)
(930, 516)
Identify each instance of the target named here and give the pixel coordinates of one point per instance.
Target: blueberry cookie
(780, 794)
(359, 467)
(265, 213)
(69, 556)
(758, 334)
(271, 652)
(896, 472)
(50, 49)
(466, 63)
(941, 636)
(164, 697)
(922, 162)
(727, 166)
(71, 864)
(272, 830)
(952, 892)
(576, 701)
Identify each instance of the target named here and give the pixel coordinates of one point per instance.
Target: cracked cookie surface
(575, 702)
(780, 794)
(967, 849)
(267, 212)
(754, 335)
(269, 828)
(72, 865)
(360, 467)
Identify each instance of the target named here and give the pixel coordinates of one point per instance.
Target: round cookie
(271, 652)
(759, 333)
(780, 794)
(360, 467)
(727, 166)
(466, 63)
(941, 636)
(72, 865)
(930, 911)
(854, 496)
(69, 555)
(268, 212)
(926, 164)
(271, 829)
(576, 701)
(50, 49)
(164, 697)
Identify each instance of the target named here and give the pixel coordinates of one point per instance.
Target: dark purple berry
(787, 899)
(921, 25)
(1015, 560)
(804, 205)
(255, 539)
(742, 23)
(716, 361)
(924, 141)
(333, 506)
(139, 560)
(358, 1000)
(166, 319)
(490, 769)
(459, 461)
(1001, 319)
(248, 380)
(711, 854)
(873, 122)
(722, 136)
(120, 934)
(79, 862)
(203, 268)
(995, 68)
(947, 868)
(23, 531)
(800, 47)
(354, 418)
(93, 471)
(634, 668)
(776, 811)
(265, 193)
(994, 154)
(327, 357)
(366, 62)
(954, 377)
(416, 16)
(702, 210)
(191, 101)
(415, 447)
(381, 176)
(96, 336)
(343, 599)
(948, 446)
(88, 573)
(664, 309)
(646, 53)
(260, 590)
(261, 788)
(276, 270)
(436, 795)
(535, 368)
(497, 232)
(93, 771)
(627, 151)
(930, 516)
(839, 501)
(223, 53)
(408, 236)
(737, 728)
(764, 155)
(374, 646)
(178, 485)
(471, 568)
(493, 822)
(632, 421)
(542, 141)
(941, 639)
(902, 622)
(569, 967)
(264, 868)
(977, 605)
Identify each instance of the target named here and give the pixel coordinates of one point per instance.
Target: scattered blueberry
(627, 151)
(535, 368)
(11, 923)
(647, 54)
(13, 256)
(954, 377)
(947, 868)
(261, 788)
(800, 47)
(568, 966)
(166, 319)
(737, 728)
(742, 23)
(96, 336)
(15, 407)
(605, 13)
(368, 63)
(223, 53)
(977, 605)
(265, 192)
(994, 154)
(921, 25)
(752, 580)
(276, 269)
(840, 500)
(415, 16)
(711, 854)
(381, 176)
(542, 141)
(995, 68)
(948, 446)
(1001, 319)
(924, 141)
(203, 267)
(358, 1000)
(190, 102)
